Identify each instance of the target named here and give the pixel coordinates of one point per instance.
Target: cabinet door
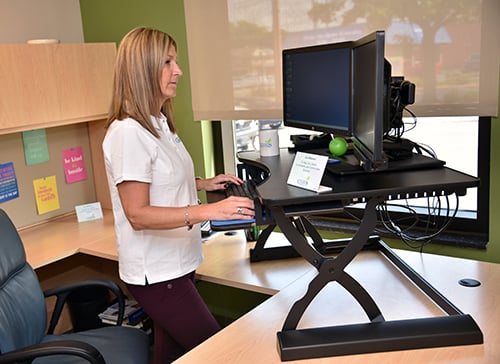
(27, 85)
(84, 79)
(43, 85)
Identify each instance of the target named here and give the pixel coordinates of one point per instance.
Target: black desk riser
(288, 207)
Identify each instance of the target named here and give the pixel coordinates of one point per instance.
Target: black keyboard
(247, 189)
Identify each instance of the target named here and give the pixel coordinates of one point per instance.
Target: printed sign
(36, 149)
(307, 172)
(46, 194)
(8, 182)
(74, 165)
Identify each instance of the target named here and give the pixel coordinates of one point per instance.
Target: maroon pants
(181, 318)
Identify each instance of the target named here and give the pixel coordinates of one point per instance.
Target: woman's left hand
(218, 182)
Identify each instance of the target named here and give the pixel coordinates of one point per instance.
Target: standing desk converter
(287, 207)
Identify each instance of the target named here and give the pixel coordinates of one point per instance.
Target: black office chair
(23, 317)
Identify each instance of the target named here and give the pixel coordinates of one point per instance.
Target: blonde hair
(136, 86)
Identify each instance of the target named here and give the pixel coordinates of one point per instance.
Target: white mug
(269, 142)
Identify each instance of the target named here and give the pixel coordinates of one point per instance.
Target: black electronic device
(343, 89)
(370, 93)
(317, 88)
(402, 93)
(304, 142)
(206, 229)
(347, 89)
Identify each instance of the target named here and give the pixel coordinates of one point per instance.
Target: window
(459, 150)
(444, 47)
(462, 150)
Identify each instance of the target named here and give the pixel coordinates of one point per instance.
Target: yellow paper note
(47, 197)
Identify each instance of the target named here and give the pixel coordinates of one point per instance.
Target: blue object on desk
(333, 161)
(231, 224)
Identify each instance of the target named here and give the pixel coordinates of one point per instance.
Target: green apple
(338, 146)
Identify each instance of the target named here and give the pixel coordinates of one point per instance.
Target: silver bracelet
(186, 218)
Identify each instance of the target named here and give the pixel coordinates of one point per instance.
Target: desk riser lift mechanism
(377, 334)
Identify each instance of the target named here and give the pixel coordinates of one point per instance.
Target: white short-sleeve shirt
(131, 153)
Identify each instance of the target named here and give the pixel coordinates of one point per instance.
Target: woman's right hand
(231, 208)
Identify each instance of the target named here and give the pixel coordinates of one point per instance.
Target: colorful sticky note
(46, 194)
(8, 182)
(74, 165)
(36, 149)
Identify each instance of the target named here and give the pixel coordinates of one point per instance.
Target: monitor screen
(371, 100)
(317, 88)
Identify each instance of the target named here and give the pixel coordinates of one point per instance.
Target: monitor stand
(350, 165)
(306, 142)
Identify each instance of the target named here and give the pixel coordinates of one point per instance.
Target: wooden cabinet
(45, 85)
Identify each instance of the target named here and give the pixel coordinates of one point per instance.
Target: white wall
(21, 20)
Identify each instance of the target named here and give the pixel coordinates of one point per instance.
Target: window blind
(448, 48)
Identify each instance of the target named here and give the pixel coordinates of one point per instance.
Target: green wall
(109, 20)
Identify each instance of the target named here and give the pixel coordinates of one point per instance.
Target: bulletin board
(23, 209)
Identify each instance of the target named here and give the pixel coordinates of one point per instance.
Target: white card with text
(307, 171)
(88, 212)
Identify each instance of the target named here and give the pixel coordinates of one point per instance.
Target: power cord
(433, 225)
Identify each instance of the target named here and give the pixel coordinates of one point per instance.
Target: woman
(154, 194)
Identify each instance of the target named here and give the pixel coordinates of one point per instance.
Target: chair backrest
(23, 315)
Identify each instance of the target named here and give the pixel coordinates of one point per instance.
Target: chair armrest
(63, 292)
(66, 347)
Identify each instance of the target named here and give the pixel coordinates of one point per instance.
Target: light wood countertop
(62, 237)
(226, 256)
(252, 338)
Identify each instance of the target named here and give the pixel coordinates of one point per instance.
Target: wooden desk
(227, 262)
(63, 237)
(252, 338)
(226, 256)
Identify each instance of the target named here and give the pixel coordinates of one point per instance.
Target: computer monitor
(343, 89)
(370, 100)
(317, 88)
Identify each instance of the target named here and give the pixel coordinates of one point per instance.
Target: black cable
(392, 226)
